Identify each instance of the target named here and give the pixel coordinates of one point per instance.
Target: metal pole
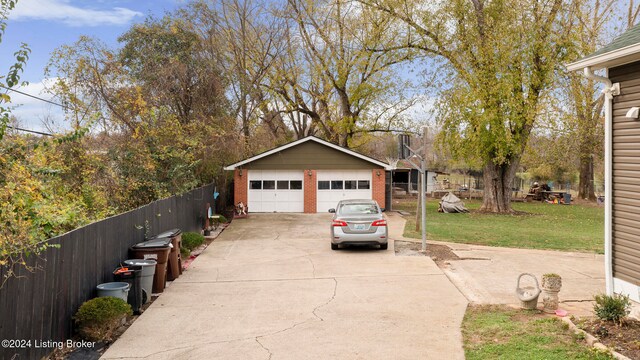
(423, 190)
(423, 210)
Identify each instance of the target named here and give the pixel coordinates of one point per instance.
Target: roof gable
(309, 152)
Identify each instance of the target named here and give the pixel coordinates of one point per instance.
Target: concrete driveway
(488, 274)
(270, 288)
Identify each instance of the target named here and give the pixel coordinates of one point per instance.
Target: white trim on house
(303, 140)
(608, 191)
(611, 59)
(626, 288)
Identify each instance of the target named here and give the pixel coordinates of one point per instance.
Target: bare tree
(333, 72)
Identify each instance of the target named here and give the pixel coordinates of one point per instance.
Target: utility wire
(47, 101)
(37, 98)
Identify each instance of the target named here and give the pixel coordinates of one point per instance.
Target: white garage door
(334, 186)
(276, 191)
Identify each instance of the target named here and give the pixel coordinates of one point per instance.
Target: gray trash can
(146, 280)
(115, 289)
(567, 198)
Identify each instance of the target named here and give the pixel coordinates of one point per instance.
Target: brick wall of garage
(378, 186)
(240, 186)
(310, 192)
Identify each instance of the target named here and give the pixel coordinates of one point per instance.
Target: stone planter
(551, 285)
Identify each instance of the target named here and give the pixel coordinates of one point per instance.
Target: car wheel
(384, 246)
(334, 246)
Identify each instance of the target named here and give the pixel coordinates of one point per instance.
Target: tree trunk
(498, 180)
(586, 189)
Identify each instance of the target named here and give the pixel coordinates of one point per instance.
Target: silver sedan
(358, 222)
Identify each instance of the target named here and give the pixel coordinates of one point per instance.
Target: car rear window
(358, 209)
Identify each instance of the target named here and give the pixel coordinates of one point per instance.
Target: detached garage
(308, 175)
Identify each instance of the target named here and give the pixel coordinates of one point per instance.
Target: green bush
(220, 220)
(98, 318)
(612, 308)
(191, 240)
(185, 253)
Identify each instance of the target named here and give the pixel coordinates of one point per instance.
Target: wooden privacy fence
(39, 306)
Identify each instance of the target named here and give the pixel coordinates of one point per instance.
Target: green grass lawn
(493, 332)
(546, 226)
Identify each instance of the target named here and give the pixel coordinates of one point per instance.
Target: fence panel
(39, 306)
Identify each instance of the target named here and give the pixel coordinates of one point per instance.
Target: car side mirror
(332, 211)
(383, 209)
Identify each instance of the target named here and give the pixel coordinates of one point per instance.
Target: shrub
(98, 318)
(191, 240)
(223, 219)
(219, 220)
(185, 253)
(612, 308)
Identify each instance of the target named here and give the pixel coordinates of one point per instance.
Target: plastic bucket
(115, 289)
(146, 278)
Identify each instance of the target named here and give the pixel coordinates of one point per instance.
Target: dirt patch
(439, 253)
(512, 213)
(624, 338)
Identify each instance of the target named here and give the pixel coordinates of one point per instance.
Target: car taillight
(382, 222)
(339, 223)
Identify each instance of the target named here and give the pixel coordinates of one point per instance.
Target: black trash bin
(567, 198)
(132, 275)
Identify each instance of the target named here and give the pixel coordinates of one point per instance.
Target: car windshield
(358, 209)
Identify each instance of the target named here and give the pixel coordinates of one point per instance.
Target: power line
(37, 98)
(29, 131)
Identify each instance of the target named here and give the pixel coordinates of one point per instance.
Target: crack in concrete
(264, 347)
(335, 290)
(256, 338)
(192, 347)
(586, 275)
(313, 266)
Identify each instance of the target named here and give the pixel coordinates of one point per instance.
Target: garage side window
(268, 185)
(296, 185)
(350, 185)
(336, 185)
(323, 185)
(363, 184)
(283, 185)
(255, 184)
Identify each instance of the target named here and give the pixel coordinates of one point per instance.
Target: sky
(44, 25)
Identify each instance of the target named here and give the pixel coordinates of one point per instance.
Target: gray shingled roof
(630, 37)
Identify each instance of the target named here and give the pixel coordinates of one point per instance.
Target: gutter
(609, 91)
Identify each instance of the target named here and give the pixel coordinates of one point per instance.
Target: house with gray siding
(618, 64)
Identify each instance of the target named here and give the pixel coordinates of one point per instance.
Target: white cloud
(31, 112)
(66, 13)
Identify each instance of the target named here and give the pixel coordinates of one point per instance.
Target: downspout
(609, 91)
